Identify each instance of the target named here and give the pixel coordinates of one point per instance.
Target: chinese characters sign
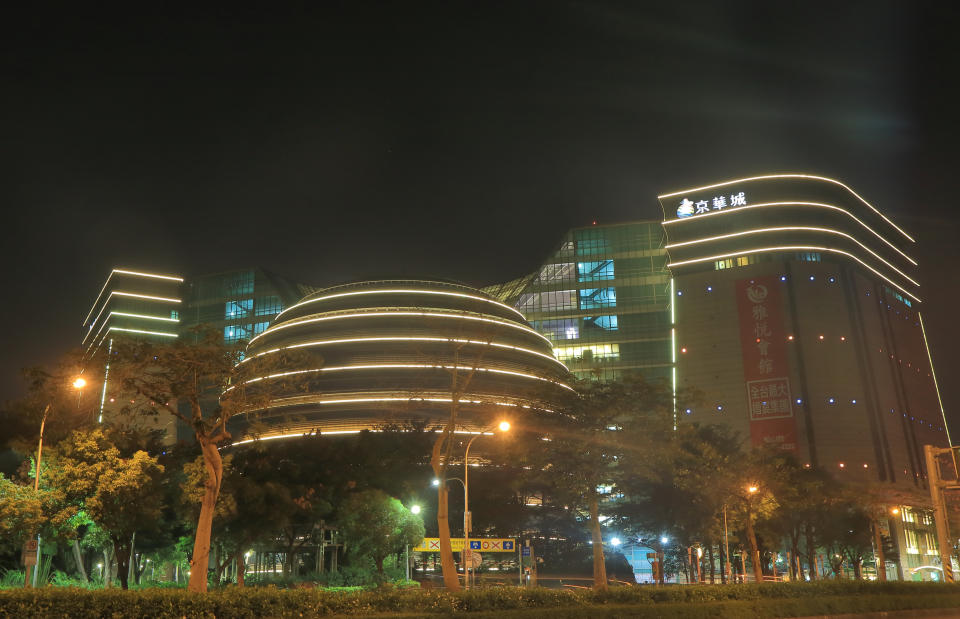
(765, 367)
(689, 208)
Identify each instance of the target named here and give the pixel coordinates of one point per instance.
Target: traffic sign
(525, 551)
(486, 544)
(476, 559)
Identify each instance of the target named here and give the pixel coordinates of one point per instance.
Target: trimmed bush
(782, 599)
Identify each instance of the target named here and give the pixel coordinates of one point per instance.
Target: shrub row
(271, 602)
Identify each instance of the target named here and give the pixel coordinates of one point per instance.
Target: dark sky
(459, 140)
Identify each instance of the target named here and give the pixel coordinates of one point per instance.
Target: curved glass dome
(397, 351)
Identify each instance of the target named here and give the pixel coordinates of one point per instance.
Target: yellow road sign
(483, 544)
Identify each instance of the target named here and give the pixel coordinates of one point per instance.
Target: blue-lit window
(175, 314)
(268, 306)
(607, 323)
(809, 256)
(260, 327)
(558, 272)
(238, 309)
(235, 333)
(595, 271)
(597, 297)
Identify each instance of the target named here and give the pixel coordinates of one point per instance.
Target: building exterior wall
(840, 301)
(603, 300)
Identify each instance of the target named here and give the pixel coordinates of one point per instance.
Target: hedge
(751, 600)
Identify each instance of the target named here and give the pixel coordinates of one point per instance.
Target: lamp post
(726, 545)
(79, 383)
(504, 426)
(751, 536)
(415, 510)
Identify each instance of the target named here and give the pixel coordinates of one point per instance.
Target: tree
(121, 494)
(203, 384)
(376, 525)
(595, 444)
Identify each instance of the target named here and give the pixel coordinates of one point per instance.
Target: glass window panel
(606, 323)
(238, 308)
(588, 353)
(268, 306)
(597, 297)
(235, 333)
(555, 273)
(595, 271)
(260, 327)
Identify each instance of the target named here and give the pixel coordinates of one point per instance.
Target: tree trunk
(78, 557)
(379, 562)
(599, 566)
(857, 572)
(878, 544)
(131, 560)
(713, 571)
(754, 550)
(450, 579)
(811, 554)
(241, 568)
(108, 567)
(201, 545)
(721, 552)
(122, 552)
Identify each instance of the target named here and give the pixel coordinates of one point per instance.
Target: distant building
(132, 304)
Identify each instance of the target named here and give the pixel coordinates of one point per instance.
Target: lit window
(719, 265)
(260, 327)
(597, 297)
(595, 271)
(607, 323)
(743, 261)
(596, 352)
(238, 309)
(175, 314)
(558, 329)
(552, 273)
(235, 333)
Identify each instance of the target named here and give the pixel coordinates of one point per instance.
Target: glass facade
(603, 300)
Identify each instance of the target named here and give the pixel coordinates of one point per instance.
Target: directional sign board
(486, 544)
(526, 551)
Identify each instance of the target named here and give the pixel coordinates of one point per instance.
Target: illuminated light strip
(524, 328)
(107, 321)
(933, 374)
(385, 366)
(329, 432)
(126, 294)
(142, 331)
(762, 230)
(761, 250)
(402, 291)
(404, 339)
(106, 376)
(127, 272)
(816, 204)
(810, 176)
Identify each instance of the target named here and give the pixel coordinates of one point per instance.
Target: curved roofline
(804, 176)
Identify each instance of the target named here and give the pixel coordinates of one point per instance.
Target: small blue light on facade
(853, 401)
(833, 280)
(812, 278)
(719, 407)
(799, 401)
(783, 278)
(709, 288)
(689, 411)
(832, 400)
(679, 293)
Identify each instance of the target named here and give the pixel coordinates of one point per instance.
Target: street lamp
(504, 426)
(79, 383)
(414, 509)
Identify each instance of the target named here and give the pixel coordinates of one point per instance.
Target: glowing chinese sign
(765, 366)
(688, 207)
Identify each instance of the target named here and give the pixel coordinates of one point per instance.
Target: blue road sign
(474, 544)
(526, 551)
(507, 545)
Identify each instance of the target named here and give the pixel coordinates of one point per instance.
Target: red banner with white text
(766, 371)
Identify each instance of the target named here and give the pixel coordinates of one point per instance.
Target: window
(268, 306)
(239, 284)
(238, 309)
(606, 323)
(597, 297)
(743, 261)
(913, 541)
(558, 329)
(548, 301)
(555, 273)
(235, 333)
(586, 247)
(175, 314)
(260, 327)
(588, 353)
(719, 265)
(809, 256)
(595, 271)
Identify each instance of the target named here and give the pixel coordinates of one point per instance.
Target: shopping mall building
(788, 301)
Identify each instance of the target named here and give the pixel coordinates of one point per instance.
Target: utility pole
(937, 487)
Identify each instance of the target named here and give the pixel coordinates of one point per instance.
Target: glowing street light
(467, 554)
(435, 482)
(414, 509)
(752, 489)
(615, 541)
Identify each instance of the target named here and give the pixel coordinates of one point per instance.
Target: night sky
(455, 140)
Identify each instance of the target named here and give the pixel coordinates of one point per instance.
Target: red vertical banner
(766, 371)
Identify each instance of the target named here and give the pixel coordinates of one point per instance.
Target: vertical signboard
(766, 371)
